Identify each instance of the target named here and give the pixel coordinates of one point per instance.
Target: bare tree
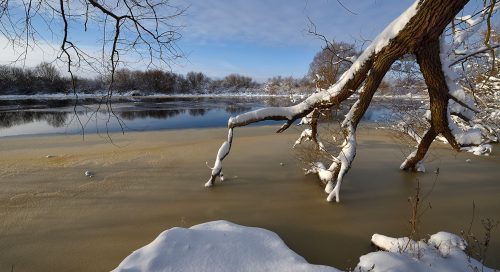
(47, 71)
(129, 30)
(420, 31)
(331, 62)
(197, 80)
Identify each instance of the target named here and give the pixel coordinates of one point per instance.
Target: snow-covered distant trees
(238, 81)
(287, 86)
(423, 30)
(197, 80)
(45, 78)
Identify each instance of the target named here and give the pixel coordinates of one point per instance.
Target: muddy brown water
(54, 218)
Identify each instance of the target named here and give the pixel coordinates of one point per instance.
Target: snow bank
(217, 246)
(224, 246)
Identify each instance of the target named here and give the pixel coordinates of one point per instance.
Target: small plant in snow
(477, 247)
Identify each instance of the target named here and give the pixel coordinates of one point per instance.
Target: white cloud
(45, 51)
(36, 53)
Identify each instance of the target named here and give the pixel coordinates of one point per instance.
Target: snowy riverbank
(224, 246)
(138, 95)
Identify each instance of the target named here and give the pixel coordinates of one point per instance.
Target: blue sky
(257, 38)
(262, 38)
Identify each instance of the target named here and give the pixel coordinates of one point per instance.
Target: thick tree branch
(418, 31)
(413, 161)
(428, 57)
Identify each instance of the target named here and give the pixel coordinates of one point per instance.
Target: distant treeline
(45, 78)
(325, 69)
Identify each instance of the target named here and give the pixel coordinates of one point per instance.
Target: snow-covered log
(443, 251)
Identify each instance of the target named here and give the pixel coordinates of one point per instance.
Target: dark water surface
(63, 116)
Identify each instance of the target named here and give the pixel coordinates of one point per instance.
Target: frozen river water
(54, 218)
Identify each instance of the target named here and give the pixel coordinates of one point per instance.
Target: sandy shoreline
(54, 218)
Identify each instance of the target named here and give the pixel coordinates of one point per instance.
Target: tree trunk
(430, 64)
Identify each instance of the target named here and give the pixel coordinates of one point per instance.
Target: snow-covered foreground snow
(217, 246)
(224, 246)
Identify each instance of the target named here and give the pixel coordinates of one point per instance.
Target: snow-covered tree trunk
(416, 31)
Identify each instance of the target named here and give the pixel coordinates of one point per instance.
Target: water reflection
(197, 112)
(276, 101)
(237, 109)
(31, 116)
(41, 116)
(54, 119)
(156, 114)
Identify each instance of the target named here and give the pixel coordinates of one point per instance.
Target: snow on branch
(306, 135)
(460, 36)
(461, 105)
(345, 157)
(465, 55)
(221, 154)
